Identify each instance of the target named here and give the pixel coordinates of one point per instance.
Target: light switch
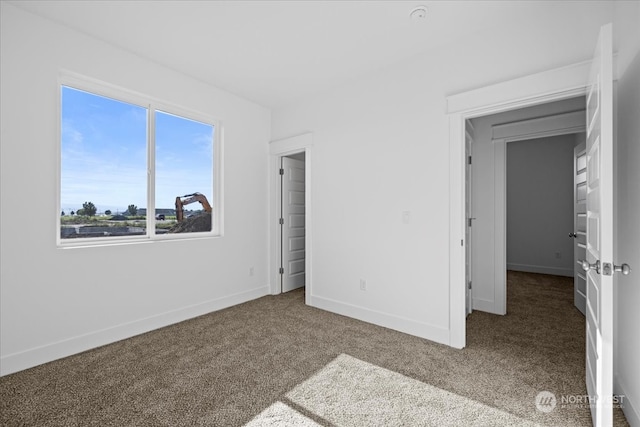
(406, 217)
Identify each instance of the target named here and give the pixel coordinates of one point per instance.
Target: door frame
(541, 88)
(469, 135)
(277, 150)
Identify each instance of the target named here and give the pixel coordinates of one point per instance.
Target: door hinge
(281, 171)
(281, 221)
(281, 270)
(470, 160)
(469, 220)
(470, 284)
(461, 242)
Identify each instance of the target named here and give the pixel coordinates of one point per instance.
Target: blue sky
(104, 154)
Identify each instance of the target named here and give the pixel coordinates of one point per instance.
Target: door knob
(624, 268)
(574, 235)
(586, 266)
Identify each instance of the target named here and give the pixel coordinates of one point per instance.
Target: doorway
(290, 231)
(513, 198)
(292, 222)
(537, 89)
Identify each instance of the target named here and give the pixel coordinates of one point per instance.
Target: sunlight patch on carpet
(351, 392)
(280, 414)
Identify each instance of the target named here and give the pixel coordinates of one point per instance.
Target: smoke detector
(418, 14)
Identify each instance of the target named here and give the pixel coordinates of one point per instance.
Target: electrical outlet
(558, 255)
(250, 271)
(363, 285)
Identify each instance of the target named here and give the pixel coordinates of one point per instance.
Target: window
(132, 168)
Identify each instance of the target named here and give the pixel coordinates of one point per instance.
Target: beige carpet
(351, 392)
(276, 359)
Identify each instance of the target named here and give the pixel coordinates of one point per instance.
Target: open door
(293, 224)
(579, 233)
(599, 249)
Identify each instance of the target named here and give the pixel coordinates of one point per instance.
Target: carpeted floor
(234, 366)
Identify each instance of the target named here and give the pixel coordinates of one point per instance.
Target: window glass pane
(103, 187)
(184, 174)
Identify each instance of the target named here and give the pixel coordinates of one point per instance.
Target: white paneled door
(293, 224)
(599, 248)
(579, 233)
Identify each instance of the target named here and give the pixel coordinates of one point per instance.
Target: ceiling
(275, 52)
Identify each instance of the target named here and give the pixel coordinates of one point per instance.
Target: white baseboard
(541, 269)
(629, 407)
(36, 356)
(398, 323)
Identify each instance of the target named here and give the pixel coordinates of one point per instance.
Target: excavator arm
(190, 198)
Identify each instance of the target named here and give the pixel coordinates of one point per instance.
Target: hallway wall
(540, 205)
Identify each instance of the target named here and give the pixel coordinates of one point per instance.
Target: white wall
(540, 205)
(627, 288)
(381, 148)
(55, 302)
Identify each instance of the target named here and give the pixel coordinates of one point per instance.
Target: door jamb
(278, 149)
(541, 88)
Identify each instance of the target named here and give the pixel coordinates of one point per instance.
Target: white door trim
(277, 150)
(562, 83)
(543, 127)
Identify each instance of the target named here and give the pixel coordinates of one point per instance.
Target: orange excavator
(190, 198)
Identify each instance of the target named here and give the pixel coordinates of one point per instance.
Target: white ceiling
(274, 52)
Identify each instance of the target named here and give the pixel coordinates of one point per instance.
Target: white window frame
(152, 105)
